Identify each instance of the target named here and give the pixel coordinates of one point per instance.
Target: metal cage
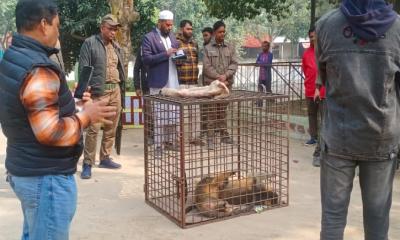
(208, 160)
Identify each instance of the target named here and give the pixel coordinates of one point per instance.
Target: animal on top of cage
(209, 159)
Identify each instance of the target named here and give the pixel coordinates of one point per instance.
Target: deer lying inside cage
(211, 159)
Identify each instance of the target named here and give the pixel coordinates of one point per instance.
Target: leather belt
(110, 86)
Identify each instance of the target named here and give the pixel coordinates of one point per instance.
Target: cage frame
(181, 103)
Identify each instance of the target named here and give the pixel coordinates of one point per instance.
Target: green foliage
(197, 12)
(242, 9)
(7, 16)
(297, 24)
(293, 27)
(147, 10)
(396, 5)
(327, 5)
(324, 6)
(79, 20)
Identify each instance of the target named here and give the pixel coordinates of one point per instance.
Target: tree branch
(77, 37)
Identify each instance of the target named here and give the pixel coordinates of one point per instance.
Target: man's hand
(87, 95)
(139, 92)
(316, 95)
(85, 98)
(171, 51)
(98, 111)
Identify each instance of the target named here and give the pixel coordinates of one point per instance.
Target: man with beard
(188, 70)
(207, 34)
(264, 60)
(158, 48)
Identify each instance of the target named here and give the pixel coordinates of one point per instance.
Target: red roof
(253, 42)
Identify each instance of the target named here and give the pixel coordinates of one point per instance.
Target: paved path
(111, 206)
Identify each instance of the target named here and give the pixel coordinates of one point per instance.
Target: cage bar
(207, 160)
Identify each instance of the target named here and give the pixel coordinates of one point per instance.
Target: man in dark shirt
(140, 75)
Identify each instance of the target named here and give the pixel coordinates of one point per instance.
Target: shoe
(109, 163)
(316, 161)
(311, 142)
(227, 140)
(86, 171)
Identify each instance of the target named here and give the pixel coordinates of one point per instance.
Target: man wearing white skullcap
(158, 48)
(166, 15)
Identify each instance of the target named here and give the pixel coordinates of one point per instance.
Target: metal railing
(286, 78)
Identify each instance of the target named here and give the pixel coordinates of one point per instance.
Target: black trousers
(315, 113)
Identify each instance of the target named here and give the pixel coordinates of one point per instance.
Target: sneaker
(109, 163)
(316, 161)
(311, 142)
(227, 140)
(86, 171)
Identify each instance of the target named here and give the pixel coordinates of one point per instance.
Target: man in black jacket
(141, 84)
(107, 84)
(43, 128)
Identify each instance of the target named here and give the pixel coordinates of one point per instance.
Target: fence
(132, 116)
(287, 79)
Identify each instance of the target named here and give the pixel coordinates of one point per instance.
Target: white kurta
(166, 115)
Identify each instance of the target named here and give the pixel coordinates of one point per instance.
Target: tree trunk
(396, 5)
(313, 8)
(125, 12)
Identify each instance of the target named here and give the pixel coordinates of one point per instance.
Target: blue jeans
(48, 204)
(376, 182)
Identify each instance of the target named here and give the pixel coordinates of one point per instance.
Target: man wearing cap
(158, 48)
(107, 83)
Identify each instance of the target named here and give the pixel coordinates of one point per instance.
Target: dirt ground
(111, 206)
